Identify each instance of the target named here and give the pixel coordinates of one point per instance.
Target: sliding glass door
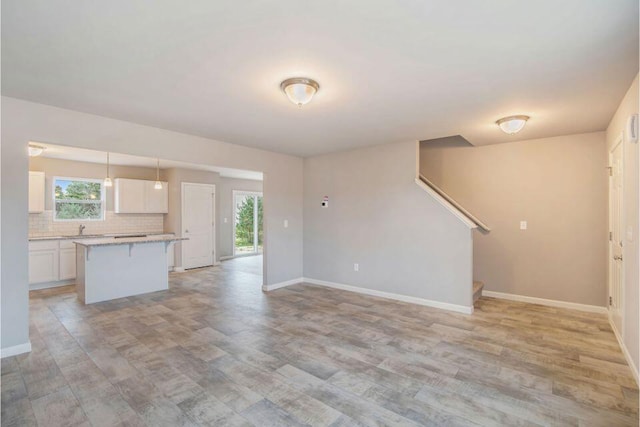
(248, 231)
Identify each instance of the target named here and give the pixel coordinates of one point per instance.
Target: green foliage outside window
(78, 199)
(245, 223)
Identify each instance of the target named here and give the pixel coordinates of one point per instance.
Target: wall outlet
(286, 223)
(523, 225)
(225, 220)
(356, 267)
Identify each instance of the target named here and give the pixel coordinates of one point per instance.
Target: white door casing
(198, 225)
(616, 219)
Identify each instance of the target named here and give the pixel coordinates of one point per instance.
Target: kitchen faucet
(81, 228)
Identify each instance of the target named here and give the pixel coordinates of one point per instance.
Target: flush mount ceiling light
(512, 124)
(35, 150)
(299, 90)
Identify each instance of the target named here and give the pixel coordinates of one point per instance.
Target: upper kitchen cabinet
(140, 196)
(36, 192)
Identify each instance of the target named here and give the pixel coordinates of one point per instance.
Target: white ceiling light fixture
(158, 184)
(299, 90)
(512, 124)
(107, 180)
(35, 150)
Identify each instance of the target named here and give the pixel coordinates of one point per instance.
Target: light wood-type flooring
(215, 350)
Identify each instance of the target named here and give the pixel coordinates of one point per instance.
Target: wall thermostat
(325, 202)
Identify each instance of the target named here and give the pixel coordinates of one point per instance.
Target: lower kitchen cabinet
(43, 262)
(51, 261)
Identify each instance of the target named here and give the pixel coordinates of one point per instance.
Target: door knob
(618, 257)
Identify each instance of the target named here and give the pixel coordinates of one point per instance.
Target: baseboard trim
(547, 302)
(388, 295)
(15, 350)
(49, 285)
(178, 270)
(273, 287)
(625, 351)
(224, 258)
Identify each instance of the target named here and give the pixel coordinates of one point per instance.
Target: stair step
(477, 290)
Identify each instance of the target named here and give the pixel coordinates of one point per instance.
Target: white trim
(54, 284)
(226, 257)
(178, 270)
(213, 222)
(267, 288)
(547, 302)
(15, 350)
(404, 298)
(444, 202)
(625, 351)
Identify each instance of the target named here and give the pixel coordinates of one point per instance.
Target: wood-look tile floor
(215, 350)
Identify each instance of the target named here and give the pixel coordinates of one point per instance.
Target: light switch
(523, 225)
(286, 223)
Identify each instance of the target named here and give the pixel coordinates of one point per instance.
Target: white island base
(107, 269)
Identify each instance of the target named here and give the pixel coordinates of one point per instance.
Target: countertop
(111, 241)
(94, 236)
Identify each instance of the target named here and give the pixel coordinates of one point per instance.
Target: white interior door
(198, 225)
(616, 266)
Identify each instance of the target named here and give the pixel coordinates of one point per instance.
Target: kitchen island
(110, 267)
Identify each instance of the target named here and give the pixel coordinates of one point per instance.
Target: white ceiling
(388, 71)
(92, 156)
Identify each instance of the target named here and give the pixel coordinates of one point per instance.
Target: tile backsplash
(43, 225)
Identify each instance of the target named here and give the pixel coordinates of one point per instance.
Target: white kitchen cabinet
(156, 201)
(43, 261)
(36, 192)
(67, 257)
(140, 196)
(129, 195)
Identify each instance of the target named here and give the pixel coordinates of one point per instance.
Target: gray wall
(630, 332)
(559, 186)
(224, 191)
(24, 121)
(403, 240)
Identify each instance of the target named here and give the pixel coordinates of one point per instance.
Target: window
(247, 223)
(78, 199)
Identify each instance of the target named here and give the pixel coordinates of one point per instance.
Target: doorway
(616, 212)
(198, 225)
(248, 234)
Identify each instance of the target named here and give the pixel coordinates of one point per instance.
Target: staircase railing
(448, 199)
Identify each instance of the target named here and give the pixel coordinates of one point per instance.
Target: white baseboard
(48, 285)
(389, 295)
(547, 302)
(224, 258)
(267, 288)
(625, 351)
(15, 350)
(178, 270)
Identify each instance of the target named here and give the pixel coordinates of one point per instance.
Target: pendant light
(107, 180)
(158, 184)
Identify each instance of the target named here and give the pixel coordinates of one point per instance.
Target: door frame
(213, 215)
(233, 235)
(619, 141)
